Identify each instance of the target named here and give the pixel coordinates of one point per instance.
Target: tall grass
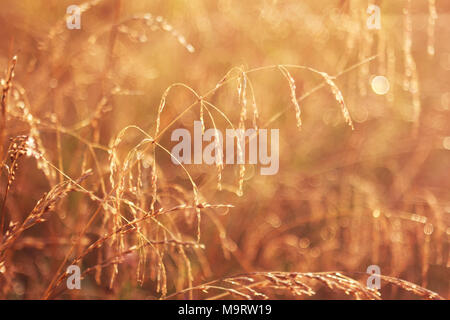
(87, 171)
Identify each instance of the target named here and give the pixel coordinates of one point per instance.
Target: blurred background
(342, 200)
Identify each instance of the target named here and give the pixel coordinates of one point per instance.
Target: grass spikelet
(60, 26)
(339, 98)
(294, 99)
(218, 151)
(432, 17)
(263, 285)
(22, 111)
(44, 206)
(255, 107)
(162, 104)
(202, 120)
(411, 287)
(20, 146)
(242, 96)
(154, 24)
(6, 88)
(410, 81)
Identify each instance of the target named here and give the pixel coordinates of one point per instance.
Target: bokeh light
(380, 85)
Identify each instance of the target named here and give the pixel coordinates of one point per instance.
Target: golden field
(364, 149)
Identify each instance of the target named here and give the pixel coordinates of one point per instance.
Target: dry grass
(88, 178)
